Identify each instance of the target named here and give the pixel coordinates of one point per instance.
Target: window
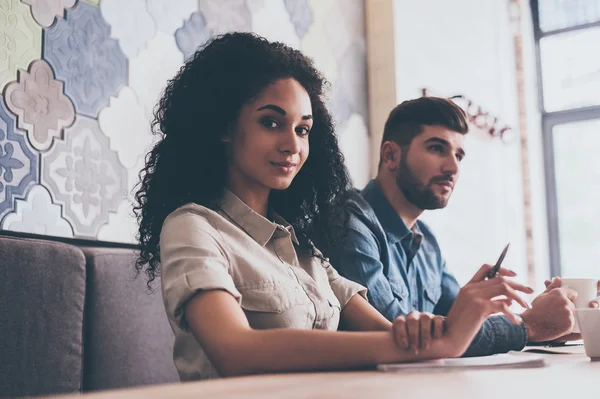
(564, 14)
(567, 33)
(571, 69)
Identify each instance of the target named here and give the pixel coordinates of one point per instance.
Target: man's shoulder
(364, 233)
(356, 203)
(362, 217)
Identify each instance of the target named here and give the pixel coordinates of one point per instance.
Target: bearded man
(396, 256)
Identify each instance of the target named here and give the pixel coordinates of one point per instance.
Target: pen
(494, 270)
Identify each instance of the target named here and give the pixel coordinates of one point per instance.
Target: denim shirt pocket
(433, 291)
(400, 291)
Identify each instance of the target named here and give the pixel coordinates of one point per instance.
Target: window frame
(549, 120)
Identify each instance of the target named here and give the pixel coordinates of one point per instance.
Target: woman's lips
(285, 167)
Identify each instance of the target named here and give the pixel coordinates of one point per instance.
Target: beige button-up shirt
(237, 250)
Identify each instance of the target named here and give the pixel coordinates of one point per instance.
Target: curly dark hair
(189, 162)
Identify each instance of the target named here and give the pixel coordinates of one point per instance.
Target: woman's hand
(479, 299)
(417, 330)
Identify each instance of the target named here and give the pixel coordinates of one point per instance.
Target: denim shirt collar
(391, 222)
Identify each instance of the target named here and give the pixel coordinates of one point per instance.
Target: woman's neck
(256, 198)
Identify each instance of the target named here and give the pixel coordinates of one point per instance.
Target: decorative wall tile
(131, 25)
(20, 39)
(192, 34)
(350, 88)
(18, 163)
(263, 16)
(38, 215)
(85, 176)
(345, 25)
(87, 179)
(301, 15)
(41, 107)
(122, 226)
(83, 55)
(45, 11)
(226, 15)
(153, 66)
(313, 43)
(169, 15)
(354, 140)
(125, 123)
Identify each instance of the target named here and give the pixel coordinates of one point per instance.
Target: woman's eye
(269, 123)
(302, 130)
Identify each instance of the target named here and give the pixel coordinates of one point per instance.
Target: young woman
(246, 178)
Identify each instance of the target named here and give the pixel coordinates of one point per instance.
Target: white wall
(465, 47)
(536, 160)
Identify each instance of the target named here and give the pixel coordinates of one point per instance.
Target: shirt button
(415, 305)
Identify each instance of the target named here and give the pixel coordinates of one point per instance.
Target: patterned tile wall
(79, 79)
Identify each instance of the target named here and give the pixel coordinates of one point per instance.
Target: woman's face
(269, 143)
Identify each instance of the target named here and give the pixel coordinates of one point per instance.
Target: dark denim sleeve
(497, 335)
(358, 260)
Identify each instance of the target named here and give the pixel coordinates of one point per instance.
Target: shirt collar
(391, 222)
(255, 225)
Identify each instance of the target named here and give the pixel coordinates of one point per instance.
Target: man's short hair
(407, 120)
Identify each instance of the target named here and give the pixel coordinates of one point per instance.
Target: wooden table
(557, 380)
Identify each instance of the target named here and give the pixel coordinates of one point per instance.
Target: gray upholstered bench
(74, 319)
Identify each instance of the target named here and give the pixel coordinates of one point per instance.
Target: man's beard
(420, 195)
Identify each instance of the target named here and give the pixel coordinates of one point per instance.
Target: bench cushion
(128, 340)
(42, 294)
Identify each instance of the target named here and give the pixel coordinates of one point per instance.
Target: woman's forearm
(235, 348)
(359, 315)
(281, 350)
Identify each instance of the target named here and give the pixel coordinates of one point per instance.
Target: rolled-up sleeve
(192, 260)
(343, 288)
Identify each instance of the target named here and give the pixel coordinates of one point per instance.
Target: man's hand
(479, 299)
(416, 330)
(557, 283)
(551, 315)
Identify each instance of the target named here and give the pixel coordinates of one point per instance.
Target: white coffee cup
(589, 322)
(587, 291)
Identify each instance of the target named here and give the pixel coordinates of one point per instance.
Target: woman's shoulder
(192, 208)
(191, 215)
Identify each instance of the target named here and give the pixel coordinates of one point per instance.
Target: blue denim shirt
(404, 270)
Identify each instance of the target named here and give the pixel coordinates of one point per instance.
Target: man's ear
(390, 155)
